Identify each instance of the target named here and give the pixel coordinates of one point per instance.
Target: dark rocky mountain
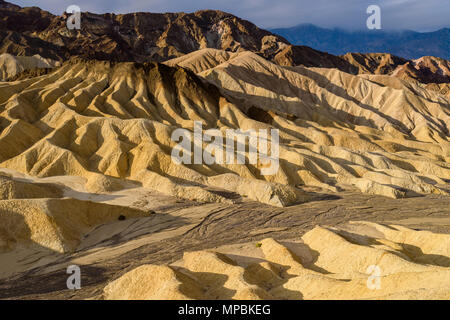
(143, 37)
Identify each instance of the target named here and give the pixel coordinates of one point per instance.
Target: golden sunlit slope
(104, 121)
(109, 121)
(361, 261)
(310, 93)
(203, 59)
(378, 133)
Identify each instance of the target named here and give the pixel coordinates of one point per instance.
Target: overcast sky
(419, 15)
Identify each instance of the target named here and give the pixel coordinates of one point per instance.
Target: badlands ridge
(112, 122)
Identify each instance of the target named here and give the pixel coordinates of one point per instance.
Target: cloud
(347, 14)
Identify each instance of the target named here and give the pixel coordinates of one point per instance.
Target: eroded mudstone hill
(105, 122)
(111, 122)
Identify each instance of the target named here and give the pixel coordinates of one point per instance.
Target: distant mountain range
(406, 44)
(145, 36)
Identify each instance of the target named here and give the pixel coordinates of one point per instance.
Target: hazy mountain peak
(404, 43)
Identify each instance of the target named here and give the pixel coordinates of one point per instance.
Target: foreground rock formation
(327, 263)
(110, 234)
